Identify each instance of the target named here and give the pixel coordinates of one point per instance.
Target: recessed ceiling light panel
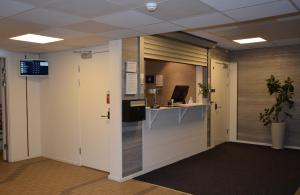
(33, 38)
(250, 40)
(151, 6)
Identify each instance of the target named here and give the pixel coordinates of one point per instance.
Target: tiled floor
(41, 176)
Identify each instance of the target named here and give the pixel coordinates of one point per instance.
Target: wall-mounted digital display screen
(33, 67)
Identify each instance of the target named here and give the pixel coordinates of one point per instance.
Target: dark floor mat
(233, 169)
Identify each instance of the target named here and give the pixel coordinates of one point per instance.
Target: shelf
(182, 111)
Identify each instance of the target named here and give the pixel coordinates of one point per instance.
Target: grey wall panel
(254, 67)
(131, 132)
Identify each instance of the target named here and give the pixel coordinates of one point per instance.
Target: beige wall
(173, 74)
(220, 54)
(16, 95)
(254, 67)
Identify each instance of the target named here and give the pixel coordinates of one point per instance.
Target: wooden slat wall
(160, 48)
(254, 67)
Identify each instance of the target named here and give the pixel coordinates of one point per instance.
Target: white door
(220, 102)
(94, 85)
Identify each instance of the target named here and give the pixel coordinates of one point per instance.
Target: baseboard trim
(62, 160)
(293, 147)
(252, 143)
(265, 144)
(114, 178)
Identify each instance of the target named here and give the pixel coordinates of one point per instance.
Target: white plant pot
(278, 132)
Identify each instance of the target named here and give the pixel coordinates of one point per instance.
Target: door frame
(81, 130)
(233, 100)
(228, 107)
(4, 102)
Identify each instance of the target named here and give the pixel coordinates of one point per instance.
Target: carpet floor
(41, 176)
(233, 169)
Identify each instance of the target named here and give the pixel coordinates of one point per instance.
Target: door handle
(216, 106)
(106, 116)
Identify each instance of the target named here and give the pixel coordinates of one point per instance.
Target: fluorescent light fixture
(250, 40)
(36, 38)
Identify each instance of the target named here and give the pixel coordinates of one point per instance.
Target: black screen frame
(43, 73)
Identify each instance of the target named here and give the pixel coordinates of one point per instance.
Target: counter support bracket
(182, 113)
(152, 117)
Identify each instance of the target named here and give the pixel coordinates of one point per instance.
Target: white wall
(60, 112)
(53, 108)
(115, 51)
(59, 108)
(17, 132)
(167, 141)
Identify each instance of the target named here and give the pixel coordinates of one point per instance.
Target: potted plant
(277, 113)
(204, 90)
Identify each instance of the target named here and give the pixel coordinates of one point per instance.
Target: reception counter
(171, 134)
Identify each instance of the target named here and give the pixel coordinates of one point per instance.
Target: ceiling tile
(37, 3)
(132, 3)
(230, 32)
(207, 35)
(159, 28)
(122, 33)
(49, 17)
(62, 33)
(272, 30)
(261, 11)
(10, 8)
(12, 27)
(233, 4)
(43, 48)
(86, 41)
(127, 19)
(222, 42)
(283, 19)
(204, 20)
(260, 45)
(225, 30)
(91, 27)
(85, 8)
(178, 9)
(297, 2)
(283, 42)
(13, 44)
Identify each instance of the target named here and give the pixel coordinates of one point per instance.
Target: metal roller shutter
(160, 48)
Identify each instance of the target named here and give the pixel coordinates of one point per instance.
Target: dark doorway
(3, 112)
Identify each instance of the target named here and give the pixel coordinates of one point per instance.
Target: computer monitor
(180, 92)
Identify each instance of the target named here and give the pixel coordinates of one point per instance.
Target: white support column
(115, 68)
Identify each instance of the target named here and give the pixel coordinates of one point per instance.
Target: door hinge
(79, 82)
(79, 150)
(5, 147)
(78, 68)
(227, 130)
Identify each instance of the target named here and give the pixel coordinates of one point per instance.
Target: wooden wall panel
(254, 67)
(220, 54)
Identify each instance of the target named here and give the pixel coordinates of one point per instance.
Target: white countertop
(178, 106)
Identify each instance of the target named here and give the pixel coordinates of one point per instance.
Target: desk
(171, 134)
